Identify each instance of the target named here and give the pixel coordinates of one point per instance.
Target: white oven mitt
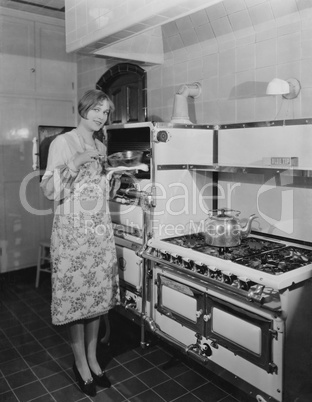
(121, 169)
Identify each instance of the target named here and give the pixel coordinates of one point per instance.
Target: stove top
(260, 254)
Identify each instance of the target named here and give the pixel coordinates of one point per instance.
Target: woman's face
(97, 116)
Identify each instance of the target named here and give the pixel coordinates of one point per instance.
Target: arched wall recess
(125, 83)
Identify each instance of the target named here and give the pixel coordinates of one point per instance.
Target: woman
(84, 265)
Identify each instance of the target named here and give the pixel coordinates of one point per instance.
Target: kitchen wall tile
(199, 18)
(168, 96)
(210, 89)
(198, 113)
(234, 6)
(81, 14)
(289, 28)
(154, 78)
(265, 108)
(170, 29)
(227, 110)
(306, 74)
(245, 57)
(246, 40)
(70, 21)
(205, 32)
(260, 14)
(194, 51)
(245, 84)
(180, 73)
(175, 42)
(241, 23)
(195, 70)
(266, 53)
(166, 114)
(306, 102)
(269, 33)
(245, 110)
(211, 65)
(227, 86)
(289, 70)
(189, 37)
(184, 24)
(167, 76)
(209, 47)
(155, 100)
(222, 29)
(216, 11)
(228, 44)
(283, 8)
(305, 10)
(180, 55)
(227, 62)
(288, 48)
(306, 47)
(252, 3)
(211, 112)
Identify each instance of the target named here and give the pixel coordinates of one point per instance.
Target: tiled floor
(36, 359)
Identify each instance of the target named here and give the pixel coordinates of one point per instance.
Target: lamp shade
(277, 87)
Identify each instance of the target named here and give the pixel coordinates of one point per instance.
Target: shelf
(289, 171)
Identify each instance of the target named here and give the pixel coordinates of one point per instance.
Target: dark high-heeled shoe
(100, 379)
(87, 387)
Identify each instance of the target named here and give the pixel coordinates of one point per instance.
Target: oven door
(243, 332)
(130, 268)
(180, 302)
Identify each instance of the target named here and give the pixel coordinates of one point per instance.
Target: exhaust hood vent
(180, 104)
(126, 29)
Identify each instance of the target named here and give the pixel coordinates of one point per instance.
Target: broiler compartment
(180, 302)
(241, 331)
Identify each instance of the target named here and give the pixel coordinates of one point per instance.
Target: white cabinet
(17, 55)
(33, 58)
(55, 69)
(37, 87)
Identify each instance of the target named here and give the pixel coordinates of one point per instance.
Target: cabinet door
(17, 55)
(126, 93)
(55, 69)
(56, 112)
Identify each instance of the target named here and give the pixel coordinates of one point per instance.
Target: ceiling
(50, 8)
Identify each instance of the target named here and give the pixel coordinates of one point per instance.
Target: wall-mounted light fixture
(289, 89)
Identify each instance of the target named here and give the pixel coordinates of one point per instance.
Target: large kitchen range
(211, 258)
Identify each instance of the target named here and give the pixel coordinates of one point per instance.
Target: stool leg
(38, 266)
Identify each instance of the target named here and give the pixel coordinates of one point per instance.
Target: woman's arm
(61, 171)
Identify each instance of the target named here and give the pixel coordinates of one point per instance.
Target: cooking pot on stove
(224, 228)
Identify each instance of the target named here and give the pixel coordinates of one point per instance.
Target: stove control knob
(206, 349)
(162, 136)
(163, 254)
(175, 258)
(207, 317)
(186, 263)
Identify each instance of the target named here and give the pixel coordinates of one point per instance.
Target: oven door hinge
(272, 368)
(273, 333)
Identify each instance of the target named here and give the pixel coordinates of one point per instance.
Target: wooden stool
(44, 260)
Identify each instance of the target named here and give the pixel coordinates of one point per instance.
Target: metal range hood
(129, 29)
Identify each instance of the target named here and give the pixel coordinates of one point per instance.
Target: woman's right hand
(85, 157)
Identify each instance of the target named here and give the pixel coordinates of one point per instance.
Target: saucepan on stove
(125, 158)
(223, 228)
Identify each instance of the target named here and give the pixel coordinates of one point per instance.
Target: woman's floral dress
(84, 265)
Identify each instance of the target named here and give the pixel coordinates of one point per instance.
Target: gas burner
(248, 246)
(277, 262)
